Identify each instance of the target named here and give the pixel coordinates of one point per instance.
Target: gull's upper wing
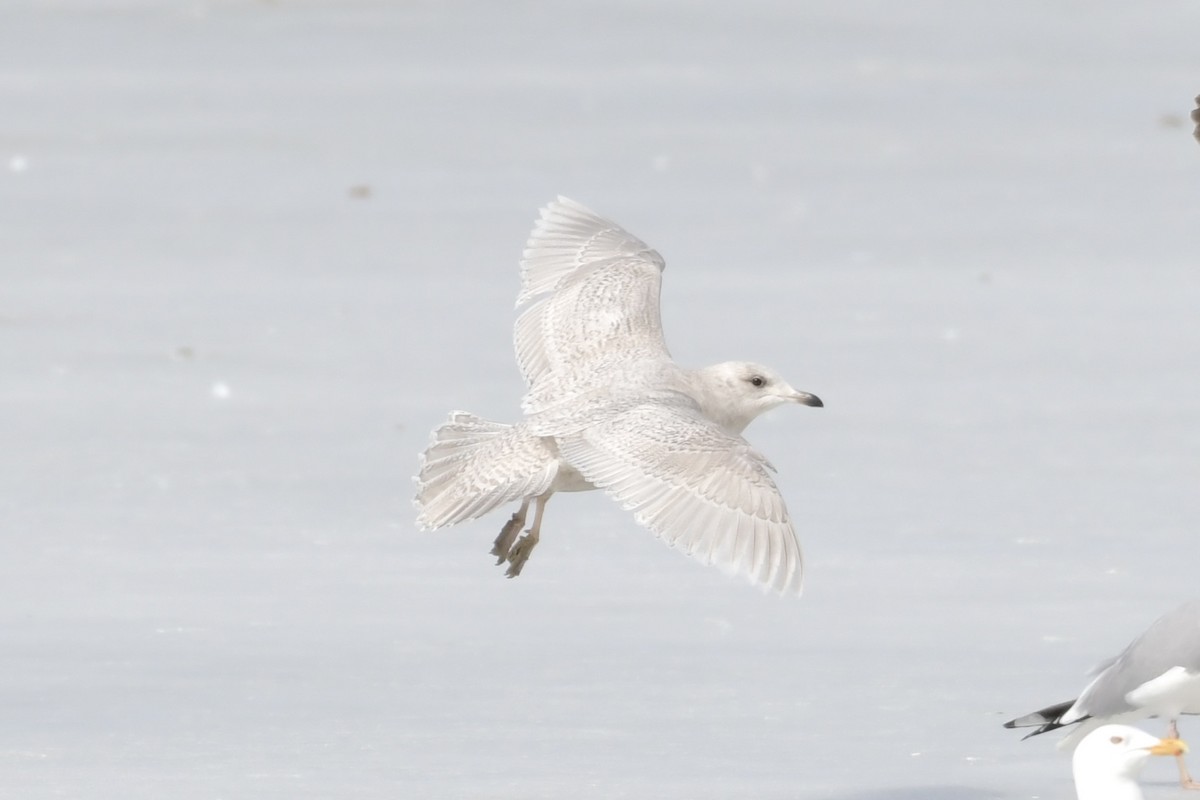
(1171, 643)
(698, 488)
(1158, 673)
(590, 299)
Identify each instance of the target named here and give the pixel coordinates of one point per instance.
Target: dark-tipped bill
(806, 399)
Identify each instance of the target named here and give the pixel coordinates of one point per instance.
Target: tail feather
(473, 465)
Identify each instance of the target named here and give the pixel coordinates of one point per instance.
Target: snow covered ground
(254, 251)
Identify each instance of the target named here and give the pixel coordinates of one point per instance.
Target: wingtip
(781, 584)
(793, 587)
(793, 583)
(561, 202)
(558, 212)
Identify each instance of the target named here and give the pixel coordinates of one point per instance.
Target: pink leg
(1185, 777)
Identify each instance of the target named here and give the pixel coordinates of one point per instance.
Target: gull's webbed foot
(1185, 779)
(508, 534)
(519, 553)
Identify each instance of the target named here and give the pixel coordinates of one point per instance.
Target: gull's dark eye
(758, 380)
(1116, 740)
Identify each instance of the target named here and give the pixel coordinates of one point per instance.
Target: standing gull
(1108, 760)
(1157, 675)
(608, 408)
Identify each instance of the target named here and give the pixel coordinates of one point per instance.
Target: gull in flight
(1157, 675)
(607, 408)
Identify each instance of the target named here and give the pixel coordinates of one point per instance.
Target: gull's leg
(524, 546)
(1185, 777)
(508, 533)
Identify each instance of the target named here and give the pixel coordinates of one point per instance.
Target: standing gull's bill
(1157, 675)
(607, 408)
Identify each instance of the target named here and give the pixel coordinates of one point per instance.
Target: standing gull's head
(1108, 760)
(733, 393)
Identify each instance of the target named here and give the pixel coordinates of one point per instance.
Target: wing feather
(589, 304)
(695, 486)
(1172, 641)
(567, 236)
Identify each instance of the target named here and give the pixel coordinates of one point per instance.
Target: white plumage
(608, 408)
(1106, 764)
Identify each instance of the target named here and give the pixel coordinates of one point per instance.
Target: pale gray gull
(608, 408)
(1106, 764)
(1157, 675)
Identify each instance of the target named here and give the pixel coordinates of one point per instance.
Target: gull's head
(735, 392)
(1108, 760)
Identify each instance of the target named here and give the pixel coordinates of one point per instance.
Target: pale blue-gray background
(253, 251)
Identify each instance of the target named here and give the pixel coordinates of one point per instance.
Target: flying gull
(607, 408)
(1157, 675)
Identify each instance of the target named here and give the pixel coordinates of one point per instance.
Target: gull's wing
(696, 487)
(1159, 672)
(1047, 719)
(590, 298)
(1139, 675)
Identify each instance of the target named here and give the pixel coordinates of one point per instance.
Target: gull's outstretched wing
(698, 488)
(590, 299)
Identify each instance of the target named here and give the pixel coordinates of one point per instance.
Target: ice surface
(971, 230)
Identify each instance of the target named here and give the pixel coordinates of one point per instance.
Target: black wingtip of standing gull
(1044, 720)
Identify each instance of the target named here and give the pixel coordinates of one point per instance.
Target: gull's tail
(473, 465)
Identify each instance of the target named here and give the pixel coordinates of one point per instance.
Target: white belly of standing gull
(608, 408)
